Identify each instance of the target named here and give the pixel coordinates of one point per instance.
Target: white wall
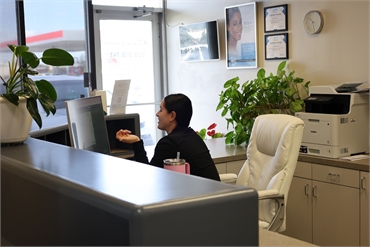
(340, 53)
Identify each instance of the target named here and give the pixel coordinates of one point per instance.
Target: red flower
(211, 133)
(212, 126)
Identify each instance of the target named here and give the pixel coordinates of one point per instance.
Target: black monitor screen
(86, 123)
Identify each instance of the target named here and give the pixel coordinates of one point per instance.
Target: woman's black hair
(180, 104)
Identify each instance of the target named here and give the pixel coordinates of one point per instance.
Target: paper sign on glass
(119, 98)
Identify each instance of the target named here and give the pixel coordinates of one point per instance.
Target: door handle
(306, 190)
(334, 174)
(363, 184)
(314, 191)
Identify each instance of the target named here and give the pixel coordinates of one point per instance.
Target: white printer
(336, 121)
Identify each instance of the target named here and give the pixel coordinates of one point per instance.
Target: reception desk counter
(56, 195)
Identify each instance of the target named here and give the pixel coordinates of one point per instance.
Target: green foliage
(202, 133)
(280, 93)
(20, 85)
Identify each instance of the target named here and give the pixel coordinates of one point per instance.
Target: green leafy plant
(20, 85)
(279, 93)
(210, 131)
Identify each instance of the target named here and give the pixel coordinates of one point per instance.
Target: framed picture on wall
(276, 18)
(241, 36)
(276, 46)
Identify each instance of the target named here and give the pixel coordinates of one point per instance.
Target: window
(62, 24)
(59, 24)
(8, 23)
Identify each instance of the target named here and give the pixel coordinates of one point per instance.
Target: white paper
(275, 19)
(119, 98)
(355, 157)
(103, 95)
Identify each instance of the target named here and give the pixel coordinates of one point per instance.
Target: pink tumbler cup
(177, 165)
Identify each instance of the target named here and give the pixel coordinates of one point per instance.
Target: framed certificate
(276, 46)
(276, 18)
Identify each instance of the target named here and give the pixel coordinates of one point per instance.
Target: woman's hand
(126, 136)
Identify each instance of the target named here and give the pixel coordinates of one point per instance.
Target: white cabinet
(335, 215)
(299, 204)
(299, 210)
(221, 168)
(364, 209)
(234, 166)
(323, 205)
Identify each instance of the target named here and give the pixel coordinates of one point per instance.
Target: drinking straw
(178, 155)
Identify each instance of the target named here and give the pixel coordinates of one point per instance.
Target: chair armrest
(278, 219)
(229, 178)
(268, 194)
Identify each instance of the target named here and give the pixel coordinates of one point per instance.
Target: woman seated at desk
(174, 117)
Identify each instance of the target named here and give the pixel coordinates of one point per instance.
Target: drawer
(303, 170)
(336, 175)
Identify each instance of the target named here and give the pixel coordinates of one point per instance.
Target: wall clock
(313, 22)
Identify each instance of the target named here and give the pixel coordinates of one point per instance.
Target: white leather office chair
(272, 155)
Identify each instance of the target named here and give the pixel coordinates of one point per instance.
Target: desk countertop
(105, 176)
(221, 152)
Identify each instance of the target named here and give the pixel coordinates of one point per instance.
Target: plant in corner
(279, 93)
(20, 85)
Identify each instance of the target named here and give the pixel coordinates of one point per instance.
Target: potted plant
(210, 131)
(279, 93)
(22, 92)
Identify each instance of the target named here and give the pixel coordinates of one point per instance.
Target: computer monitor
(86, 124)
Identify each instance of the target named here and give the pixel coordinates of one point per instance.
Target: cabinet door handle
(363, 184)
(306, 190)
(333, 174)
(314, 191)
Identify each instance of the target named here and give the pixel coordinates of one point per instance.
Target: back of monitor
(86, 124)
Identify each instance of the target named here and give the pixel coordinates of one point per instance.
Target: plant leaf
(57, 57)
(281, 66)
(231, 82)
(12, 98)
(30, 87)
(220, 105)
(47, 104)
(33, 110)
(224, 112)
(18, 50)
(30, 58)
(261, 73)
(202, 133)
(212, 126)
(45, 87)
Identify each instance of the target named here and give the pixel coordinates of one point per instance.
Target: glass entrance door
(128, 48)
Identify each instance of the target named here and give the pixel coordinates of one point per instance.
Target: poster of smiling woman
(241, 36)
